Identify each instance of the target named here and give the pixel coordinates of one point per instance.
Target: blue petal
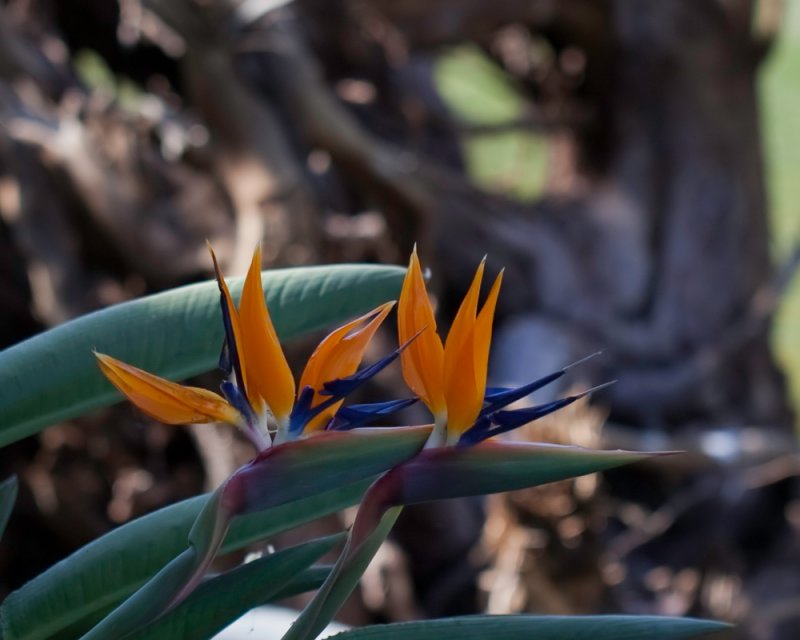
(342, 387)
(509, 420)
(225, 365)
(302, 411)
(499, 397)
(337, 389)
(493, 391)
(232, 360)
(493, 424)
(478, 432)
(359, 415)
(238, 400)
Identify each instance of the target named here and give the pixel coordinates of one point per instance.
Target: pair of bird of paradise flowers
(260, 398)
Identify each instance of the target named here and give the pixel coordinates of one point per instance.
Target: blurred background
(634, 165)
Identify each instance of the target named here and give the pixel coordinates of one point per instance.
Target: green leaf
(175, 334)
(439, 474)
(492, 467)
(305, 467)
(309, 579)
(111, 568)
(342, 580)
(99, 576)
(276, 476)
(8, 496)
(219, 601)
(539, 627)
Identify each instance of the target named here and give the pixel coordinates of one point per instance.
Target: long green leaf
(309, 579)
(175, 334)
(539, 627)
(280, 475)
(111, 568)
(493, 466)
(341, 581)
(439, 474)
(219, 601)
(102, 574)
(8, 496)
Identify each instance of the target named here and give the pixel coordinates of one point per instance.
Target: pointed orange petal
(239, 356)
(268, 374)
(163, 400)
(483, 334)
(423, 360)
(464, 398)
(338, 356)
(461, 331)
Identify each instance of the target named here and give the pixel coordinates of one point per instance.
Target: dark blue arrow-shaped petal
(360, 415)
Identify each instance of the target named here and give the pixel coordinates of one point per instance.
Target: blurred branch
(253, 152)
(374, 165)
(22, 59)
(671, 382)
(709, 487)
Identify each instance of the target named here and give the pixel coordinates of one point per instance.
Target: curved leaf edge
(510, 627)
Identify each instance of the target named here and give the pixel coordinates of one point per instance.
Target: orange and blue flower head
(451, 378)
(259, 395)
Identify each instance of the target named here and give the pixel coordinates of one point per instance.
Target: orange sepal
(483, 334)
(463, 395)
(163, 400)
(338, 356)
(423, 360)
(268, 374)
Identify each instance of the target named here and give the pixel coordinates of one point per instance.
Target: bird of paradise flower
(457, 460)
(304, 447)
(431, 462)
(260, 396)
